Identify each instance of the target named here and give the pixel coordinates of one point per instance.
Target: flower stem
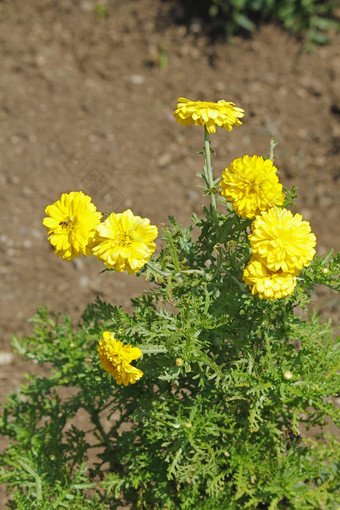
(156, 270)
(208, 172)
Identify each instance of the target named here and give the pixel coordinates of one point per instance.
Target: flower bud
(287, 375)
(325, 270)
(179, 362)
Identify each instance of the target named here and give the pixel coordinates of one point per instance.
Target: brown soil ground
(86, 104)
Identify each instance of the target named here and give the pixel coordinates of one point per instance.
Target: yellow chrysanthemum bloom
(115, 358)
(125, 241)
(268, 284)
(71, 224)
(252, 186)
(203, 113)
(282, 241)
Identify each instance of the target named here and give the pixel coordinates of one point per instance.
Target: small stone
(26, 191)
(6, 358)
(84, 281)
(220, 86)
(40, 60)
(93, 138)
(193, 195)
(137, 79)
(36, 234)
(86, 6)
(78, 263)
(164, 160)
(27, 243)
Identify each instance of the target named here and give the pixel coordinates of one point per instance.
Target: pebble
(86, 6)
(27, 243)
(26, 191)
(6, 358)
(164, 160)
(84, 281)
(193, 195)
(78, 263)
(137, 79)
(93, 138)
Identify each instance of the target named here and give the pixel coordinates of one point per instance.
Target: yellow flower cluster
(282, 244)
(116, 359)
(210, 115)
(122, 241)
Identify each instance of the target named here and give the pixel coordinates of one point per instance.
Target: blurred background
(87, 92)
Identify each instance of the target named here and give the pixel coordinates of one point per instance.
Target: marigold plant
(217, 390)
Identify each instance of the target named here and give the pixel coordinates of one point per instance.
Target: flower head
(251, 184)
(268, 284)
(115, 358)
(71, 224)
(282, 241)
(125, 241)
(210, 115)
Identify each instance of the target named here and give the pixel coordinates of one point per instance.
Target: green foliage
(213, 423)
(313, 17)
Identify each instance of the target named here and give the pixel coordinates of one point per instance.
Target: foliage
(221, 428)
(231, 384)
(312, 17)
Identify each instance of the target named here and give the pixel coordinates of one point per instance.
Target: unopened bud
(188, 425)
(325, 270)
(179, 362)
(288, 375)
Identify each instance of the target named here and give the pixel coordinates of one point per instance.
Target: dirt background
(86, 103)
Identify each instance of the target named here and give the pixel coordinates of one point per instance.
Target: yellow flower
(115, 358)
(203, 113)
(282, 241)
(268, 284)
(71, 224)
(125, 241)
(251, 184)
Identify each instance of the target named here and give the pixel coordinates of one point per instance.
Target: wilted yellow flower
(268, 284)
(71, 224)
(282, 241)
(204, 113)
(125, 241)
(115, 358)
(252, 186)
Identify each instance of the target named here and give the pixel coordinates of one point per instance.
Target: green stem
(208, 174)
(156, 270)
(96, 421)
